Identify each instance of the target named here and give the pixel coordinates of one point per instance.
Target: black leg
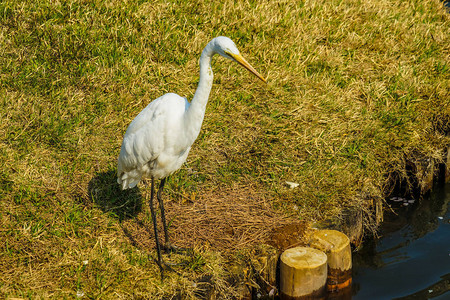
(152, 210)
(163, 216)
(167, 247)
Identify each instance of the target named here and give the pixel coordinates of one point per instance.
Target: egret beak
(245, 64)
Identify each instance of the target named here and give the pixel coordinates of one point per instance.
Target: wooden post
(303, 273)
(425, 174)
(352, 224)
(447, 166)
(336, 245)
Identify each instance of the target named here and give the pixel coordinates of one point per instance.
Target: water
(412, 258)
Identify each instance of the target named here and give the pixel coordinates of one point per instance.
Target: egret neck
(196, 111)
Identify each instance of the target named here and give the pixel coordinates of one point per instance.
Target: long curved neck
(196, 111)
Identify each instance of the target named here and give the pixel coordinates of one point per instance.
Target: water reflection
(412, 259)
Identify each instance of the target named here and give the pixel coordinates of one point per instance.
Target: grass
(355, 90)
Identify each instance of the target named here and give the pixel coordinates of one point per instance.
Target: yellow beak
(245, 64)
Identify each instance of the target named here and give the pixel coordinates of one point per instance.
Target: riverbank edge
(422, 175)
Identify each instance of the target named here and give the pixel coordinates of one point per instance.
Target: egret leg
(163, 215)
(168, 247)
(152, 210)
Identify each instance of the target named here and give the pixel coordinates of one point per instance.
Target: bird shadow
(105, 192)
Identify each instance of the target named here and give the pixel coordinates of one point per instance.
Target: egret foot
(165, 267)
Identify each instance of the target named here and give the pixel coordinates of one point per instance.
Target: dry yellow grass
(355, 90)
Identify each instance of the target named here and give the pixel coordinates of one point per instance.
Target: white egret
(158, 140)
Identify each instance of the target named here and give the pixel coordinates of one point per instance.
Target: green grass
(354, 90)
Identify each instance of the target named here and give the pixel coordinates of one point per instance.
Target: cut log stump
(336, 245)
(303, 273)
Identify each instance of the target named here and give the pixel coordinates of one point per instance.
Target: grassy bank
(355, 88)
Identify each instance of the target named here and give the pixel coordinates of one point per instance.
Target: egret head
(226, 47)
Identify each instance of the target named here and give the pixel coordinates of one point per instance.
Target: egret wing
(146, 138)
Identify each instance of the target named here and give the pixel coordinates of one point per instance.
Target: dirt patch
(235, 220)
(288, 236)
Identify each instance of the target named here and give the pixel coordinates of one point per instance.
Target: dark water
(412, 258)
